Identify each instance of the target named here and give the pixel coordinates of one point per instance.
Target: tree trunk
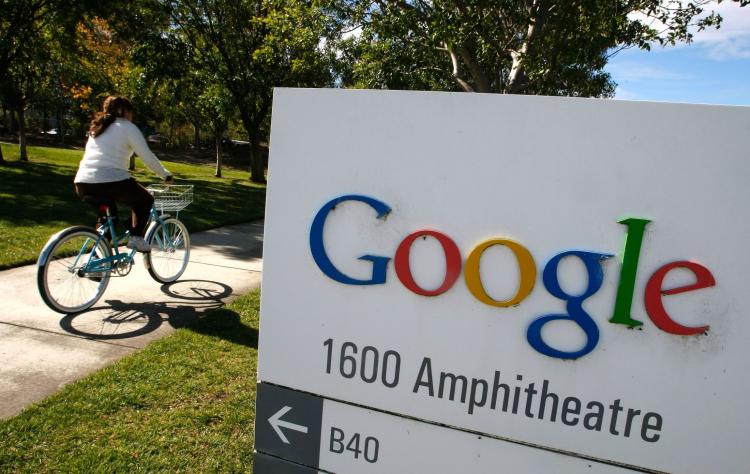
(257, 170)
(197, 134)
(61, 128)
(517, 77)
(518, 80)
(218, 153)
(82, 129)
(13, 122)
(22, 153)
(456, 73)
(5, 123)
(6, 126)
(481, 82)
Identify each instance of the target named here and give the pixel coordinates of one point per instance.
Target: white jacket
(107, 156)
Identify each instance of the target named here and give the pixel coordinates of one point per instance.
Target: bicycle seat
(102, 204)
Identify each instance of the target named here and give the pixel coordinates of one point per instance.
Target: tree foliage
(252, 46)
(547, 47)
(34, 37)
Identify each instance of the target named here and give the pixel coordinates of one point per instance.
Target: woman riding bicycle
(103, 171)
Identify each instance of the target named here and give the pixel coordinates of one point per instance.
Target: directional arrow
(277, 424)
(271, 437)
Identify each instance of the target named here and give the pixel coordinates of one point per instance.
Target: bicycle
(75, 265)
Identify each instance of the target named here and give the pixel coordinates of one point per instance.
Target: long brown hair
(114, 106)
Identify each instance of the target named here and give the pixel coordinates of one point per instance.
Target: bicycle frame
(94, 265)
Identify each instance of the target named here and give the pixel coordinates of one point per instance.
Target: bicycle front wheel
(170, 250)
(71, 275)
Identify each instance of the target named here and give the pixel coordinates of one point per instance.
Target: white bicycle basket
(171, 198)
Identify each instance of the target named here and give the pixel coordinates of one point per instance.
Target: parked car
(157, 139)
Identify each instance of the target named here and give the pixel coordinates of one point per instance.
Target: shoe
(138, 244)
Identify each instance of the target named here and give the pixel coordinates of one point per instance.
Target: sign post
(483, 282)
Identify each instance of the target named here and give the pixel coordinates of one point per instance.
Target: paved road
(40, 350)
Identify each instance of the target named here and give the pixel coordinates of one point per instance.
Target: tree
(549, 47)
(23, 83)
(215, 104)
(195, 94)
(252, 46)
(19, 88)
(21, 22)
(29, 31)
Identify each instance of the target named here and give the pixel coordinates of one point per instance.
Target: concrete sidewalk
(41, 350)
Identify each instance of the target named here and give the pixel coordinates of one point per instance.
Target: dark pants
(128, 193)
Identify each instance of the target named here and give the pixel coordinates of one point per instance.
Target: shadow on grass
(40, 192)
(227, 325)
(223, 203)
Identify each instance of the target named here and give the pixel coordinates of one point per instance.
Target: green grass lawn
(186, 403)
(37, 199)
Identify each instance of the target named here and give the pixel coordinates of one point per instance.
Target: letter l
(631, 255)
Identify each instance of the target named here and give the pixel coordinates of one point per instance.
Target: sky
(713, 69)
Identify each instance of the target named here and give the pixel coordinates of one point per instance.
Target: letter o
(452, 262)
(526, 267)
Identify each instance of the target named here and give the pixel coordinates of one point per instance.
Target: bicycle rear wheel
(68, 277)
(170, 250)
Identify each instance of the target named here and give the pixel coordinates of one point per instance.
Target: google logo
(653, 292)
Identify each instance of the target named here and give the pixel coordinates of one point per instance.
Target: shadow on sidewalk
(118, 320)
(224, 241)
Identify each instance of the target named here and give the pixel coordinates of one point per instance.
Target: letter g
(318, 250)
(574, 305)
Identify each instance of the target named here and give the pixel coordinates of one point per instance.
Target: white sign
(567, 273)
